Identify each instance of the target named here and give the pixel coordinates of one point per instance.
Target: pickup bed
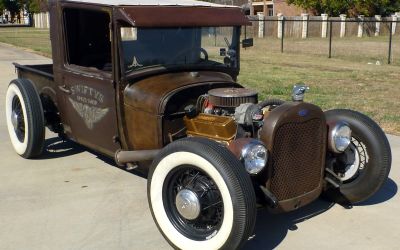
(41, 76)
(45, 70)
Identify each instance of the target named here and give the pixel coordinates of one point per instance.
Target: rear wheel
(25, 118)
(200, 196)
(365, 165)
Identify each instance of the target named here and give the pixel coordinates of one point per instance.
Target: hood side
(149, 95)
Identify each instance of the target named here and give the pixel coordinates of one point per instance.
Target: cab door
(87, 85)
(90, 111)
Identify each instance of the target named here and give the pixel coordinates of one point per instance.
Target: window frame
(66, 58)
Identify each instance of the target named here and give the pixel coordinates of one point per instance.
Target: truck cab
(102, 52)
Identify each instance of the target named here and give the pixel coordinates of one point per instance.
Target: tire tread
(35, 116)
(384, 149)
(244, 194)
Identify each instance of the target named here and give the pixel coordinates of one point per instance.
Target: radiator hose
(270, 102)
(254, 112)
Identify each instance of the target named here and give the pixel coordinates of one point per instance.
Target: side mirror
(246, 43)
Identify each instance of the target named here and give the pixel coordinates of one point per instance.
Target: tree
(36, 6)
(1, 7)
(12, 6)
(350, 7)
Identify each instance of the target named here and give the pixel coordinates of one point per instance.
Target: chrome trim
(298, 92)
(188, 204)
(332, 134)
(14, 119)
(247, 147)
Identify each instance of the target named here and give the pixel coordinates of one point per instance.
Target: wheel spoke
(191, 181)
(212, 205)
(20, 122)
(354, 169)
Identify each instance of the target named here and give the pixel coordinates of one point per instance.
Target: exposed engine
(227, 99)
(261, 134)
(239, 111)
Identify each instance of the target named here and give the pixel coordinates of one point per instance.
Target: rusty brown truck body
(152, 85)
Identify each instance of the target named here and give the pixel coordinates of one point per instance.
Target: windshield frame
(156, 69)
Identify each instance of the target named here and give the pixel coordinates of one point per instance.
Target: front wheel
(365, 165)
(200, 196)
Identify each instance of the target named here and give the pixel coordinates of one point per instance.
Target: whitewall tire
(25, 118)
(200, 196)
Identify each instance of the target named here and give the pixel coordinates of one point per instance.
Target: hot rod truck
(152, 84)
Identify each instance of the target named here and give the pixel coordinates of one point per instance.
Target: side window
(87, 36)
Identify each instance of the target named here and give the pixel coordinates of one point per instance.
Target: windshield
(197, 46)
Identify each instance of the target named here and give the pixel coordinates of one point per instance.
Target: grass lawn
(343, 82)
(37, 40)
(349, 80)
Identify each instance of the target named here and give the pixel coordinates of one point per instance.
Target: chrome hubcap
(188, 204)
(15, 119)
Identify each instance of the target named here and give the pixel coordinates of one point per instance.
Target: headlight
(255, 157)
(339, 137)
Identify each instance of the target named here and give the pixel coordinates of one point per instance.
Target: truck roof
(168, 13)
(185, 3)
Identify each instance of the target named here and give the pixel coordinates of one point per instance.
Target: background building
(269, 8)
(280, 6)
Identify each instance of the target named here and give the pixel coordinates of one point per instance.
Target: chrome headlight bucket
(254, 156)
(339, 137)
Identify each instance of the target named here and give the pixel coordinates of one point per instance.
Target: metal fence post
(330, 39)
(283, 33)
(390, 43)
(215, 37)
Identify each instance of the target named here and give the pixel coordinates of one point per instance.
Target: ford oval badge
(303, 112)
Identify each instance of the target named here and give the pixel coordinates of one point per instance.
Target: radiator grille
(297, 159)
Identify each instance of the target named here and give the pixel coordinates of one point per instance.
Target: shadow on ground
(387, 192)
(57, 147)
(271, 229)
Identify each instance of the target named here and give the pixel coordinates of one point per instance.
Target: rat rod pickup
(152, 85)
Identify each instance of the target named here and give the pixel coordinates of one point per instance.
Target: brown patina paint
(145, 16)
(149, 94)
(134, 119)
(145, 100)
